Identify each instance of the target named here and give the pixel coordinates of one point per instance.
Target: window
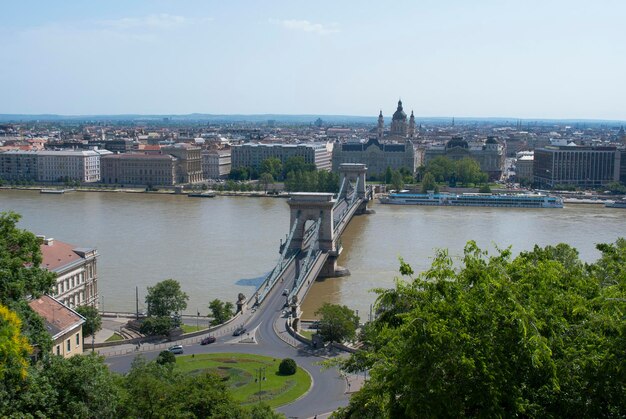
(77, 339)
(69, 345)
(58, 349)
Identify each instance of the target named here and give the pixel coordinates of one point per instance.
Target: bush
(287, 367)
(166, 357)
(156, 326)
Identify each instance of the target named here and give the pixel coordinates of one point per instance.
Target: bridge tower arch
(353, 173)
(305, 206)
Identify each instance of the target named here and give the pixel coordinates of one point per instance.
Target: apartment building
(253, 155)
(139, 169)
(76, 270)
(216, 164)
(64, 325)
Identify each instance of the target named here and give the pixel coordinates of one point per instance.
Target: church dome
(399, 114)
(457, 142)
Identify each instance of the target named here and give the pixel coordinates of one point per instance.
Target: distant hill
(287, 119)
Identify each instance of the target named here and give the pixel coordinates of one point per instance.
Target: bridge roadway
(267, 335)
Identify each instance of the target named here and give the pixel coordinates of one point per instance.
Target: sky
(482, 58)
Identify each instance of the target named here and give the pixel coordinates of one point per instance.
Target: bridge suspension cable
(340, 194)
(306, 262)
(271, 278)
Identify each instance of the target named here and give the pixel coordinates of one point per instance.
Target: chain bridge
(313, 244)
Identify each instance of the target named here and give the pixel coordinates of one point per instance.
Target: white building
(63, 165)
(76, 269)
(216, 164)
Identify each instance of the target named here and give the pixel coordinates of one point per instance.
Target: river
(221, 246)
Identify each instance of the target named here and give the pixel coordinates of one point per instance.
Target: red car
(207, 340)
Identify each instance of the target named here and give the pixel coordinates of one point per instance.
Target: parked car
(239, 331)
(207, 340)
(178, 349)
(286, 291)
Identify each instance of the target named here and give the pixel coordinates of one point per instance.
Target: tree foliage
(14, 348)
(165, 358)
(272, 166)
(93, 321)
(538, 335)
(287, 367)
(155, 391)
(156, 326)
(166, 298)
(429, 183)
(221, 311)
(337, 323)
(21, 276)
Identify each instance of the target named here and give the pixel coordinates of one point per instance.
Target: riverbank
(251, 194)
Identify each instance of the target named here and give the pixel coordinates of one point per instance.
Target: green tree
(467, 170)
(166, 357)
(221, 311)
(337, 323)
(266, 179)
(273, 166)
(20, 263)
(81, 386)
(397, 181)
(297, 164)
(429, 183)
(156, 326)
(388, 175)
(442, 168)
(156, 391)
(166, 298)
(93, 321)
(538, 335)
(22, 277)
(485, 189)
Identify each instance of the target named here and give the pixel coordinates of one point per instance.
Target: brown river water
(221, 246)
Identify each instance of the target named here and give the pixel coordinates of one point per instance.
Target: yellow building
(64, 325)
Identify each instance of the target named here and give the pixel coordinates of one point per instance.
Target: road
(268, 336)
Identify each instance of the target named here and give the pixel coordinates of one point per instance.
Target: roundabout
(252, 378)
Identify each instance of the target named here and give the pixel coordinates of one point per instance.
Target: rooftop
(58, 318)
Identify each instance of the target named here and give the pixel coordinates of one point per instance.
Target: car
(286, 291)
(178, 349)
(207, 340)
(239, 331)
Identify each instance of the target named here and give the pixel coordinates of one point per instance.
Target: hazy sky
(521, 59)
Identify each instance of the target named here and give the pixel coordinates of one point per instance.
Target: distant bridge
(313, 244)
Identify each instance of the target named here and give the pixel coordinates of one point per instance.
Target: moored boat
(525, 200)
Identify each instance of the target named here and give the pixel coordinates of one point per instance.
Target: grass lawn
(242, 371)
(187, 328)
(115, 337)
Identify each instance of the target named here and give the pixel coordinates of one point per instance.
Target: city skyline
(564, 60)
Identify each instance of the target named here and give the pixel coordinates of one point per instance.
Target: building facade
(52, 165)
(253, 155)
(76, 271)
(524, 166)
(64, 325)
(376, 156)
(489, 155)
(216, 164)
(585, 166)
(62, 165)
(18, 165)
(139, 169)
(188, 162)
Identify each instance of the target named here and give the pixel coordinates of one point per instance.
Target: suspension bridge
(313, 243)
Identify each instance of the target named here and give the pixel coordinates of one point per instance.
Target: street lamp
(260, 377)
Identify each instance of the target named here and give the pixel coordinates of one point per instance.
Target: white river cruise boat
(474, 200)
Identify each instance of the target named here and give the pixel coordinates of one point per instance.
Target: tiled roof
(58, 318)
(57, 255)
